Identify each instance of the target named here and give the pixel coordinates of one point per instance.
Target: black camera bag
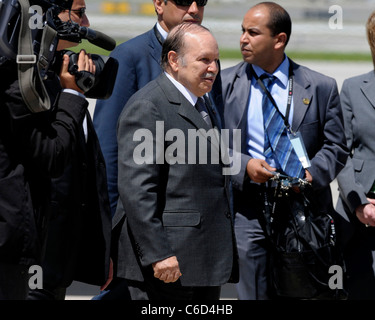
(303, 245)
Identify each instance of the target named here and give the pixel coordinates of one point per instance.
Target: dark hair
(279, 19)
(175, 40)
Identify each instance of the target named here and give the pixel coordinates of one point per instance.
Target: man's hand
(258, 170)
(167, 270)
(110, 276)
(308, 175)
(68, 80)
(366, 213)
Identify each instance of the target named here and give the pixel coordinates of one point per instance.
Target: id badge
(299, 147)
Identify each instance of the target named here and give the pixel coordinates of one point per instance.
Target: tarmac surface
(338, 70)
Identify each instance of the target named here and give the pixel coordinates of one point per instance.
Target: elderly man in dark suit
(177, 237)
(356, 202)
(315, 113)
(139, 63)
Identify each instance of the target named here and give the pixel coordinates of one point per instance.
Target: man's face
(257, 43)
(172, 14)
(197, 65)
(77, 15)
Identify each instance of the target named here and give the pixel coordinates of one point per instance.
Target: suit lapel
(368, 88)
(240, 100)
(187, 111)
(155, 44)
(302, 96)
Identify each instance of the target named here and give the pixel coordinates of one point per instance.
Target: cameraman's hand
(68, 80)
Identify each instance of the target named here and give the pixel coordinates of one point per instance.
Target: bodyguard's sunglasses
(188, 3)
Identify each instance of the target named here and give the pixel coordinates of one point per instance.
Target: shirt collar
(281, 73)
(163, 33)
(192, 98)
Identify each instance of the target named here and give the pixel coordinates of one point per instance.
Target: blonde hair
(370, 27)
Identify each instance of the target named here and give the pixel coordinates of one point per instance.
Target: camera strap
(30, 69)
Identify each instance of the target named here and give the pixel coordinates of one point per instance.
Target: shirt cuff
(72, 91)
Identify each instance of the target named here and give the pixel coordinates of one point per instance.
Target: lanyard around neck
(290, 94)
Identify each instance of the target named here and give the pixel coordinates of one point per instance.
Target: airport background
(328, 36)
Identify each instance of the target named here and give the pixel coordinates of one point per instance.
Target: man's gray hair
(175, 40)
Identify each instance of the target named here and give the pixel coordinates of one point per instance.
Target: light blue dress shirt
(255, 127)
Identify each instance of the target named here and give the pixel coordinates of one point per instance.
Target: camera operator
(34, 149)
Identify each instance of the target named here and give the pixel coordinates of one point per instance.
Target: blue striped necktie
(276, 140)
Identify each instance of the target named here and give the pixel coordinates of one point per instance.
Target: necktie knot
(267, 79)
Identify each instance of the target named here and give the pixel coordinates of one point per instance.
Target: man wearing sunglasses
(139, 63)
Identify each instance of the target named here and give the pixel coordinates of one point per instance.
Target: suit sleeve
(329, 148)
(352, 192)
(106, 115)
(142, 181)
(46, 137)
(221, 90)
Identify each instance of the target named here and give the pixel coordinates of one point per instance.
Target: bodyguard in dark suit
(356, 181)
(315, 114)
(177, 239)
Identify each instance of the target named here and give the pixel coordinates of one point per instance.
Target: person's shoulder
(313, 75)
(233, 69)
(361, 78)
(144, 99)
(146, 92)
(134, 44)
(228, 75)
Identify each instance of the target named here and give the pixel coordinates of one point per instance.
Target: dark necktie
(202, 109)
(276, 140)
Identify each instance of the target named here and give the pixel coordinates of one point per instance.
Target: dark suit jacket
(356, 179)
(79, 230)
(33, 148)
(171, 209)
(139, 63)
(317, 116)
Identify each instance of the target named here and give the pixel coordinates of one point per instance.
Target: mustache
(209, 75)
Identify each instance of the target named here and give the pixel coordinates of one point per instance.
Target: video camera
(100, 85)
(29, 33)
